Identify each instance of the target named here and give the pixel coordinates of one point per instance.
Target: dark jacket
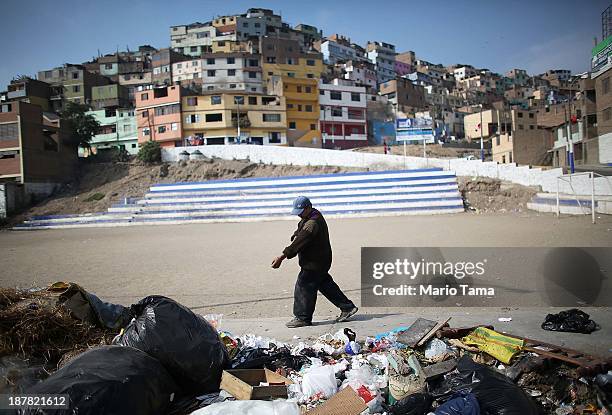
(311, 243)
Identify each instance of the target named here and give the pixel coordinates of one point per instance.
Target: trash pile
(162, 358)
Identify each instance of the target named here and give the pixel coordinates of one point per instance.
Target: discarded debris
(574, 321)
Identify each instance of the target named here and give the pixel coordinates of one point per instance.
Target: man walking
(310, 242)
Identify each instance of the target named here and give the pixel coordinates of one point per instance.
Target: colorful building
(117, 130)
(214, 118)
(158, 115)
(293, 74)
(343, 114)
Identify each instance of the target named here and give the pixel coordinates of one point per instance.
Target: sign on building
(601, 53)
(416, 130)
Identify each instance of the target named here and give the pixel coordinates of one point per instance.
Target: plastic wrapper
(463, 404)
(250, 408)
(184, 342)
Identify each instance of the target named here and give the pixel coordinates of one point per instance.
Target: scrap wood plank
(416, 331)
(432, 332)
(439, 368)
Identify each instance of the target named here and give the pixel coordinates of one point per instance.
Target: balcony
(16, 94)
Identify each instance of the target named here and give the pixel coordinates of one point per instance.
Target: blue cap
(299, 204)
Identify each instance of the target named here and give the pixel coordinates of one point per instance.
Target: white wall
(546, 179)
(605, 148)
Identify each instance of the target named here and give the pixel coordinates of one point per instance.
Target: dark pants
(305, 293)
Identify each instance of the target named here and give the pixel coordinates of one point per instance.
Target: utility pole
(237, 101)
(570, 142)
(481, 136)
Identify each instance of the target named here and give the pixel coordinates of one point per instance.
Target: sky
(535, 35)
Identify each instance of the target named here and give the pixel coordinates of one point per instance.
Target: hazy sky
(500, 35)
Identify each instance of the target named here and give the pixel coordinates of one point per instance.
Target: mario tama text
(476, 277)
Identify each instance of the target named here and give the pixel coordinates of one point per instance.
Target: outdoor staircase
(570, 204)
(363, 194)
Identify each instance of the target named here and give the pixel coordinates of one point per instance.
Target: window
(231, 61)
(253, 62)
(607, 114)
(194, 63)
(336, 112)
(245, 24)
(309, 75)
(520, 114)
(145, 113)
(355, 96)
(605, 85)
(239, 99)
(108, 66)
(193, 48)
(299, 88)
(214, 117)
(355, 114)
(75, 75)
(290, 61)
(179, 65)
(321, 92)
(291, 74)
(174, 126)
(252, 75)
(530, 115)
(210, 72)
(231, 72)
(215, 99)
(167, 109)
(76, 88)
(252, 100)
(192, 118)
(110, 112)
(161, 129)
(160, 92)
(127, 128)
(313, 127)
(9, 132)
(308, 108)
(271, 118)
(307, 89)
(521, 127)
(271, 59)
(146, 131)
(192, 101)
(221, 43)
(289, 106)
(310, 62)
(274, 138)
(210, 61)
(257, 24)
(232, 86)
(133, 145)
(292, 125)
(335, 95)
(299, 107)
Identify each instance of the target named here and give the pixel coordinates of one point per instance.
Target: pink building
(402, 68)
(158, 115)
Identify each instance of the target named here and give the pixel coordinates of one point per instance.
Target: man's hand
(278, 261)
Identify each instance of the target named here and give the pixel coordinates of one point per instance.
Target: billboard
(600, 54)
(415, 129)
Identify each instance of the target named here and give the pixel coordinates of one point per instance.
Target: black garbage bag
(574, 321)
(184, 342)
(415, 404)
(496, 393)
(110, 380)
(461, 404)
(259, 358)
(88, 307)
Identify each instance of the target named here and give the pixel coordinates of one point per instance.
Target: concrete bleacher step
(362, 194)
(570, 204)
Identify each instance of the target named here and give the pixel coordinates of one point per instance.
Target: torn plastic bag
(251, 358)
(110, 380)
(461, 404)
(319, 379)
(573, 321)
(87, 307)
(250, 408)
(496, 394)
(416, 404)
(184, 342)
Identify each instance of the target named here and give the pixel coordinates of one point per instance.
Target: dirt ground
(225, 267)
(416, 150)
(484, 195)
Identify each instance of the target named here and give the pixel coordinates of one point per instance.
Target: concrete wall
(605, 148)
(546, 179)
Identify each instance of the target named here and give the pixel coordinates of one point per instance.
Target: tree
(150, 152)
(83, 126)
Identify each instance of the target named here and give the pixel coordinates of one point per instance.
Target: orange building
(158, 115)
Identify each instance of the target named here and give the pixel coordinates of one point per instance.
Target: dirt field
(225, 267)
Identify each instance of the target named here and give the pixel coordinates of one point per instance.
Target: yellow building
(297, 79)
(213, 118)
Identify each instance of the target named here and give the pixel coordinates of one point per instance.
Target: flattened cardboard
(345, 402)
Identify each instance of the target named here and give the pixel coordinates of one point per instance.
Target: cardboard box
(243, 384)
(345, 402)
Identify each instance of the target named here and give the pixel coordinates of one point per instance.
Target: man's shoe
(345, 315)
(296, 322)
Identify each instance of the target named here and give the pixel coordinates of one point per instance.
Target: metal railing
(568, 179)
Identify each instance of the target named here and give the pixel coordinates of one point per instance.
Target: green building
(118, 129)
